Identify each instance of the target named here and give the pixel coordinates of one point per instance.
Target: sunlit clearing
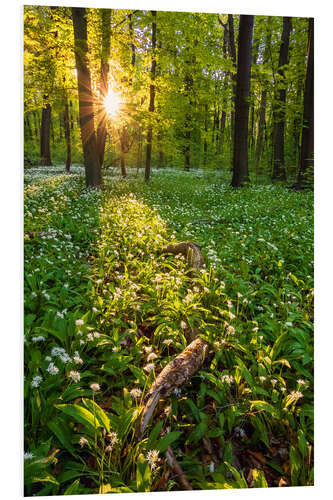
(112, 103)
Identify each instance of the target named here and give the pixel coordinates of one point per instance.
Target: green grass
(104, 306)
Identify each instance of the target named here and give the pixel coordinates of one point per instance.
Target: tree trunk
(205, 138)
(86, 109)
(279, 171)
(152, 97)
(240, 155)
(67, 135)
(263, 100)
(45, 135)
(307, 146)
(232, 53)
(103, 84)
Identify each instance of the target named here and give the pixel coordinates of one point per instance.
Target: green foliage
(93, 347)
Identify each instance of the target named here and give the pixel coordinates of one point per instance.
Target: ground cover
(106, 310)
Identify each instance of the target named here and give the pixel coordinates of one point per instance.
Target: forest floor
(106, 310)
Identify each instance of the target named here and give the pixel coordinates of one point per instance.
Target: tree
(279, 171)
(86, 109)
(307, 145)
(45, 153)
(240, 155)
(103, 84)
(151, 96)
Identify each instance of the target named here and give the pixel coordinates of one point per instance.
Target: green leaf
(143, 474)
(198, 433)
(263, 405)
(166, 440)
(74, 488)
(80, 414)
(98, 412)
(60, 428)
(259, 480)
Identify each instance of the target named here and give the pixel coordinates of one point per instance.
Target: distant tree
(86, 109)
(151, 96)
(45, 153)
(279, 171)
(240, 155)
(103, 83)
(307, 145)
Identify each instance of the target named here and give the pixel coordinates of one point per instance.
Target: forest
(168, 251)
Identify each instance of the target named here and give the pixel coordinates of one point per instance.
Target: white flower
(288, 323)
(79, 322)
(151, 356)
(262, 379)
(74, 376)
(148, 348)
(40, 338)
(230, 330)
(135, 393)
(227, 379)
(273, 382)
(112, 438)
(94, 309)
(149, 367)
(28, 456)
(60, 314)
(301, 381)
(177, 391)
(83, 441)
(295, 395)
(95, 387)
(52, 369)
(152, 458)
(167, 341)
(77, 358)
(96, 335)
(36, 381)
(183, 325)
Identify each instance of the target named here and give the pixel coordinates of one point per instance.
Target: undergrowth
(106, 310)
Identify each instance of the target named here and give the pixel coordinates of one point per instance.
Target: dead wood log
(174, 465)
(190, 250)
(176, 374)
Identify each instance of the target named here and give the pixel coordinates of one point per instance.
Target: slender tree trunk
(232, 53)
(206, 131)
(67, 135)
(152, 97)
(306, 163)
(279, 171)
(71, 115)
(222, 128)
(103, 84)
(86, 109)
(240, 156)
(263, 100)
(261, 125)
(45, 135)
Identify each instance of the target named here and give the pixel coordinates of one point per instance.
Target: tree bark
(263, 100)
(86, 109)
(152, 97)
(232, 53)
(279, 171)
(45, 153)
(103, 84)
(240, 155)
(67, 135)
(306, 163)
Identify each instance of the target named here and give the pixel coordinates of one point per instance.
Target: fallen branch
(190, 250)
(174, 465)
(176, 374)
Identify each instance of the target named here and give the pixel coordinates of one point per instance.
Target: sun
(112, 103)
